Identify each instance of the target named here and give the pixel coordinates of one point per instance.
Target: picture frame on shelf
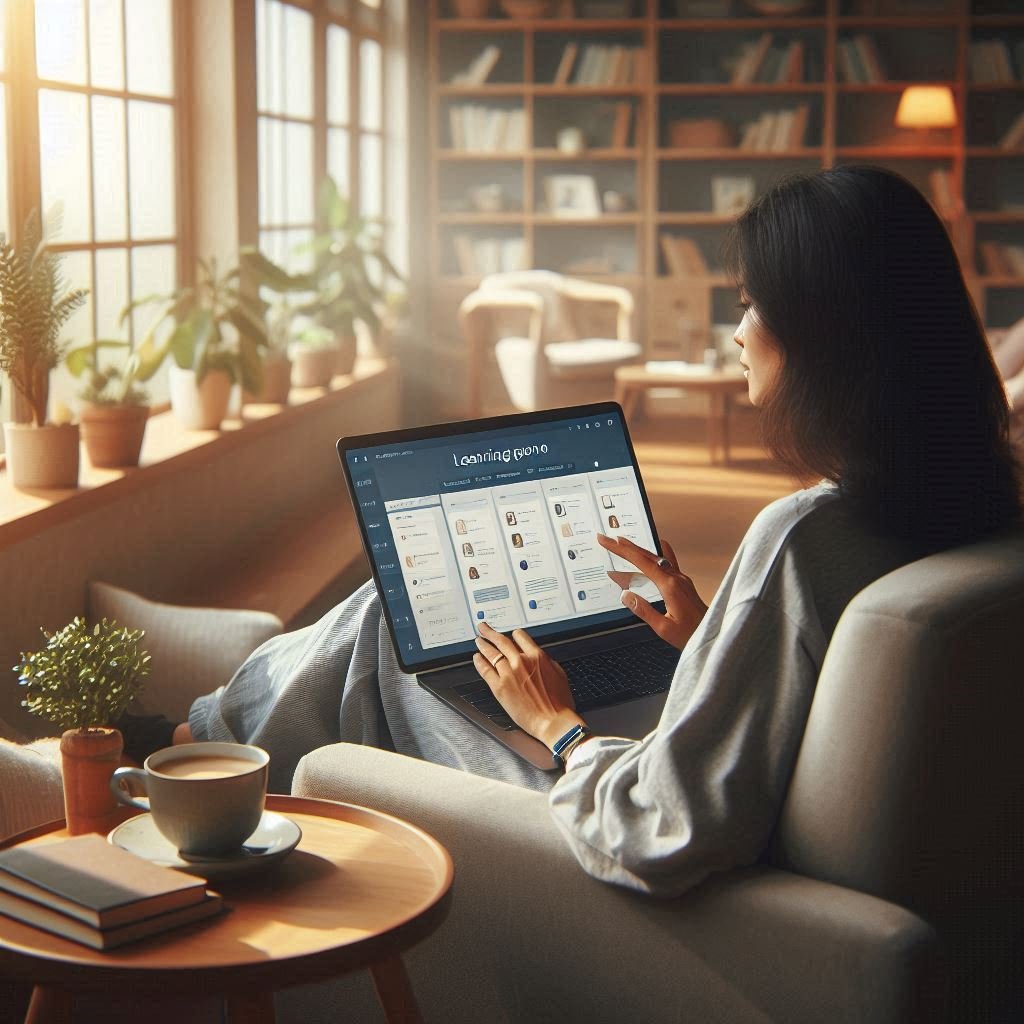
(730, 196)
(572, 195)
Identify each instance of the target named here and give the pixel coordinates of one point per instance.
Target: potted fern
(34, 306)
(115, 405)
(82, 681)
(218, 337)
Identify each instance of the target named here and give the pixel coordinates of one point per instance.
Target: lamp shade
(926, 106)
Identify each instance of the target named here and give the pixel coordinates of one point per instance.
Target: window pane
(270, 69)
(3, 22)
(299, 184)
(64, 160)
(111, 294)
(274, 245)
(106, 44)
(151, 169)
(338, 44)
(109, 170)
(4, 215)
(370, 84)
(60, 40)
(337, 158)
(149, 35)
(371, 176)
(271, 170)
(298, 62)
(262, 57)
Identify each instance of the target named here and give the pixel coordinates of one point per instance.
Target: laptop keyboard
(597, 679)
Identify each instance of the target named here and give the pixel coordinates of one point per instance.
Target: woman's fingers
(498, 640)
(644, 610)
(670, 554)
(526, 642)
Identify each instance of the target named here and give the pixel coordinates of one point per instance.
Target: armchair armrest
(585, 295)
(475, 319)
(531, 937)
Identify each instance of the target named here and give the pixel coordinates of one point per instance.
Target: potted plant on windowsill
(34, 306)
(348, 290)
(115, 405)
(218, 337)
(82, 681)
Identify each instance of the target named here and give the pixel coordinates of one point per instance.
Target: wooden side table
(631, 382)
(361, 887)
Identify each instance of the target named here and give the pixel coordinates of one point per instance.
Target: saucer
(275, 837)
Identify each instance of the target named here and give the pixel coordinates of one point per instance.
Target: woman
(864, 353)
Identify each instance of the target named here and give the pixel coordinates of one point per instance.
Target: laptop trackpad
(633, 719)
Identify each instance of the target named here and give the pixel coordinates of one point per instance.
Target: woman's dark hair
(887, 384)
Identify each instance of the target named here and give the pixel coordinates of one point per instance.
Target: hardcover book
(88, 879)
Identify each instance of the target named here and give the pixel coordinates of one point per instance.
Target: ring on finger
(494, 664)
(663, 563)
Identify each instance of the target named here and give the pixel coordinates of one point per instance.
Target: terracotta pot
(113, 434)
(88, 759)
(313, 366)
(42, 457)
(277, 381)
(345, 354)
(203, 407)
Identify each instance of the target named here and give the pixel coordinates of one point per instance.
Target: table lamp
(926, 108)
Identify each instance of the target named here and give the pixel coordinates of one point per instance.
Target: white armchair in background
(557, 340)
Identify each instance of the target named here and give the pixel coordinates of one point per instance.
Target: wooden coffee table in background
(361, 887)
(631, 382)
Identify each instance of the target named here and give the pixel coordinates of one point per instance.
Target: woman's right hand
(683, 607)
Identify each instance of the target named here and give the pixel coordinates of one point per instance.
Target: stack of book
(1013, 137)
(477, 257)
(990, 62)
(478, 129)
(480, 67)
(601, 64)
(1001, 259)
(97, 894)
(683, 256)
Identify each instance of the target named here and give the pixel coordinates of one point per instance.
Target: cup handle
(120, 786)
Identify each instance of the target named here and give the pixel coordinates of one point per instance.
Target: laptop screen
(496, 520)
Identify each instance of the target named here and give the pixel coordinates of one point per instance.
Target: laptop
(495, 520)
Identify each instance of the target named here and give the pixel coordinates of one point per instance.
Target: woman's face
(761, 357)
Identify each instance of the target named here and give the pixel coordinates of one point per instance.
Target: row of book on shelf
(477, 257)
(990, 63)
(761, 62)
(601, 64)
(1013, 137)
(97, 894)
(480, 129)
(859, 60)
(683, 256)
(1001, 259)
(776, 131)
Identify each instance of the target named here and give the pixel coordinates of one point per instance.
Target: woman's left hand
(529, 685)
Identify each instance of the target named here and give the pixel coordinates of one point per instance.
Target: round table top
(360, 886)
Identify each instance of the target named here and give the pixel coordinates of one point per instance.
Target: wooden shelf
(732, 153)
(605, 220)
(999, 281)
(586, 154)
(905, 21)
(694, 217)
(889, 85)
(997, 216)
(899, 152)
(739, 24)
(747, 89)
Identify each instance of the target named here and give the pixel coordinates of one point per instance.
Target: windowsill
(168, 448)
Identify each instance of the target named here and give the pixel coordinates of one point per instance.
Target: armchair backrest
(909, 782)
(572, 308)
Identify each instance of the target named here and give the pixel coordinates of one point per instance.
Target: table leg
(395, 991)
(627, 397)
(726, 413)
(250, 1008)
(716, 424)
(49, 1006)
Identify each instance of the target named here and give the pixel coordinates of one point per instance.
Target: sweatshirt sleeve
(702, 792)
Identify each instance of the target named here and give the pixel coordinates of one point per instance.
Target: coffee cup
(206, 798)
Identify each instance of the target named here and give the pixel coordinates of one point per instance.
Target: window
(98, 78)
(306, 131)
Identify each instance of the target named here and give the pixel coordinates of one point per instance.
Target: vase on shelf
(88, 759)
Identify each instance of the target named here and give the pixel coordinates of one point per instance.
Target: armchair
(891, 892)
(557, 340)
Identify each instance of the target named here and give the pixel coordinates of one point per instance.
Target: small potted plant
(82, 680)
(218, 338)
(34, 306)
(115, 405)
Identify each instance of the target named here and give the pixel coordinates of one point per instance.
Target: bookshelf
(675, 111)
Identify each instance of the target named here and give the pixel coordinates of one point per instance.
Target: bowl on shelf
(526, 8)
(470, 8)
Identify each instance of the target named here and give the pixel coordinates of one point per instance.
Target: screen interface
(500, 526)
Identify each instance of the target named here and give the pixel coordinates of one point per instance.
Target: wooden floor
(703, 510)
